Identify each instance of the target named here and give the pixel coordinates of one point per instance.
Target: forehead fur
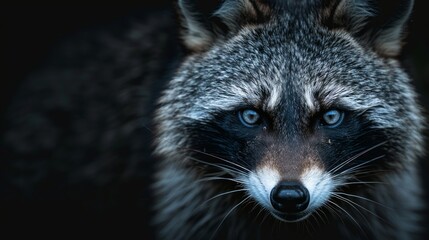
(265, 64)
(290, 59)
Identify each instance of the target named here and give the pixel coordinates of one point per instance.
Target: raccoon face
(290, 179)
(289, 160)
(296, 113)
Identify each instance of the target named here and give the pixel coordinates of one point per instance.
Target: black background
(28, 33)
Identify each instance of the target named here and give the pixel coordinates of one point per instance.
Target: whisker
(223, 194)
(324, 218)
(220, 178)
(354, 205)
(355, 157)
(357, 167)
(364, 198)
(229, 212)
(226, 168)
(348, 214)
(332, 210)
(369, 172)
(362, 182)
(222, 159)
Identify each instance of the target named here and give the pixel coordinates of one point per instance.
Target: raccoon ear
(377, 24)
(206, 22)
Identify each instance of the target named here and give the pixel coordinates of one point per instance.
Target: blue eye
(332, 118)
(249, 117)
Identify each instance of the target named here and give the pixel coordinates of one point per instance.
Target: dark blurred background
(29, 33)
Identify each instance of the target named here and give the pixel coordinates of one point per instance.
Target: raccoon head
(292, 101)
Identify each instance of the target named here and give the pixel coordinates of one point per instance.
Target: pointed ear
(206, 22)
(376, 24)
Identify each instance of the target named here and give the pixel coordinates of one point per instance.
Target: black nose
(290, 197)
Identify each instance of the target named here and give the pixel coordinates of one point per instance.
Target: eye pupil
(333, 118)
(249, 117)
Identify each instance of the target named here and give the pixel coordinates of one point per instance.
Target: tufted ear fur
(376, 24)
(206, 22)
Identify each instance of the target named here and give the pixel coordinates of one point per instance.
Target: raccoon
(289, 119)
(250, 119)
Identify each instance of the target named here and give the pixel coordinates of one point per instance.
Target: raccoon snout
(290, 197)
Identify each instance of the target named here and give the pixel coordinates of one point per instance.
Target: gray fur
(291, 55)
(76, 140)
